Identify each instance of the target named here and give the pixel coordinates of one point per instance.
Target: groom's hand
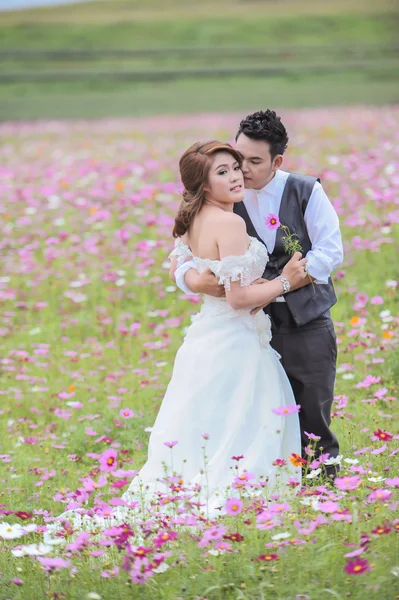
(204, 283)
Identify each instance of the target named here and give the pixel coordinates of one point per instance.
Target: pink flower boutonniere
(290, 240)
(272, 222)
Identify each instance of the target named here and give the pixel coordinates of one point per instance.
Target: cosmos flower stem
(292, 244)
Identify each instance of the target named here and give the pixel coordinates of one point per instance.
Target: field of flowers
(90, 324)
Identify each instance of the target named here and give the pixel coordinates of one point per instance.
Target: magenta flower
(279, 462)
(272, 221)
(108, 460)
(287, 410)
(357, 566)
(377, 300)
(126, 413)
(233, 506)
(164, 537)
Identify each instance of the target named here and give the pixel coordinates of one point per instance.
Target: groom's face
(258, 166)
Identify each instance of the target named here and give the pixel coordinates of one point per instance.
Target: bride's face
(225, 180)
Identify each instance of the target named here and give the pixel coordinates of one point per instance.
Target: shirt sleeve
(179, 276)
(324, 233)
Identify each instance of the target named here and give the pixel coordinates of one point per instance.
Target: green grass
(92, 168)
(260, 25)
(251, 30)
(42, 101)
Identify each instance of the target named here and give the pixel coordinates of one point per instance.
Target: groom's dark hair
(265, 125)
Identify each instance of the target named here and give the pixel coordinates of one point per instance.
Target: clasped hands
(207, 283)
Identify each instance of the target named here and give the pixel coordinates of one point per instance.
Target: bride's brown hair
(194, 168)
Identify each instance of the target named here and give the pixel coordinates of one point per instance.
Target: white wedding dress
(226, 382)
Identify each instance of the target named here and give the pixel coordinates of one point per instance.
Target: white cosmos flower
(53, 202)
(170, 288)
(313, 474)
(391, 283)
(313, 502)
(162, 568)
(348, 376)
(385, 313)
(390, 169)
(35, 331)
(11, 532)
(281, 536)
(29, 527)
(31, 550)
(376, 479)
(334, 460)
(351, 461)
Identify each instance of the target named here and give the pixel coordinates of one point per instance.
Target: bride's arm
(233, 241)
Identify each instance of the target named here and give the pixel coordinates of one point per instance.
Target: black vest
(310, 302)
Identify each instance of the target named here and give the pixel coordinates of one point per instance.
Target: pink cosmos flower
(272, 221)
(377, 300)
(108, 460)
(312, 436)
(279, 462)
(170, 444)
(126, 413)
(163, 537)
(233, 506)
(328, 507)
(382, 495)
(355, 553)
(54, 563)
(212, 534)
(287, 410)
(347, 483)
(394, 482)
(357, 566)
(280, 508)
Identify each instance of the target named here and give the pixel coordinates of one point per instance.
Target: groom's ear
(278, 161)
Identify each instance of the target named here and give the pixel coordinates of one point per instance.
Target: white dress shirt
(321, 221)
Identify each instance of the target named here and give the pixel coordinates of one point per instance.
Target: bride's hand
(207, 283)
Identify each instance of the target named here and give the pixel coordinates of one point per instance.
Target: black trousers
(309, 357)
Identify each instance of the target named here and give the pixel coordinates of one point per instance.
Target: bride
(228, 390)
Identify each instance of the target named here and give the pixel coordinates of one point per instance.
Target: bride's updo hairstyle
(194, 168)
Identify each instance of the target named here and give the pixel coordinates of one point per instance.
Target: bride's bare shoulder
(227, 218)
(231, 222)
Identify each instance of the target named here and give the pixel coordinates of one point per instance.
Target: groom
(303, 332)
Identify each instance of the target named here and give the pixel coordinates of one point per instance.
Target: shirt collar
(274, 184)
